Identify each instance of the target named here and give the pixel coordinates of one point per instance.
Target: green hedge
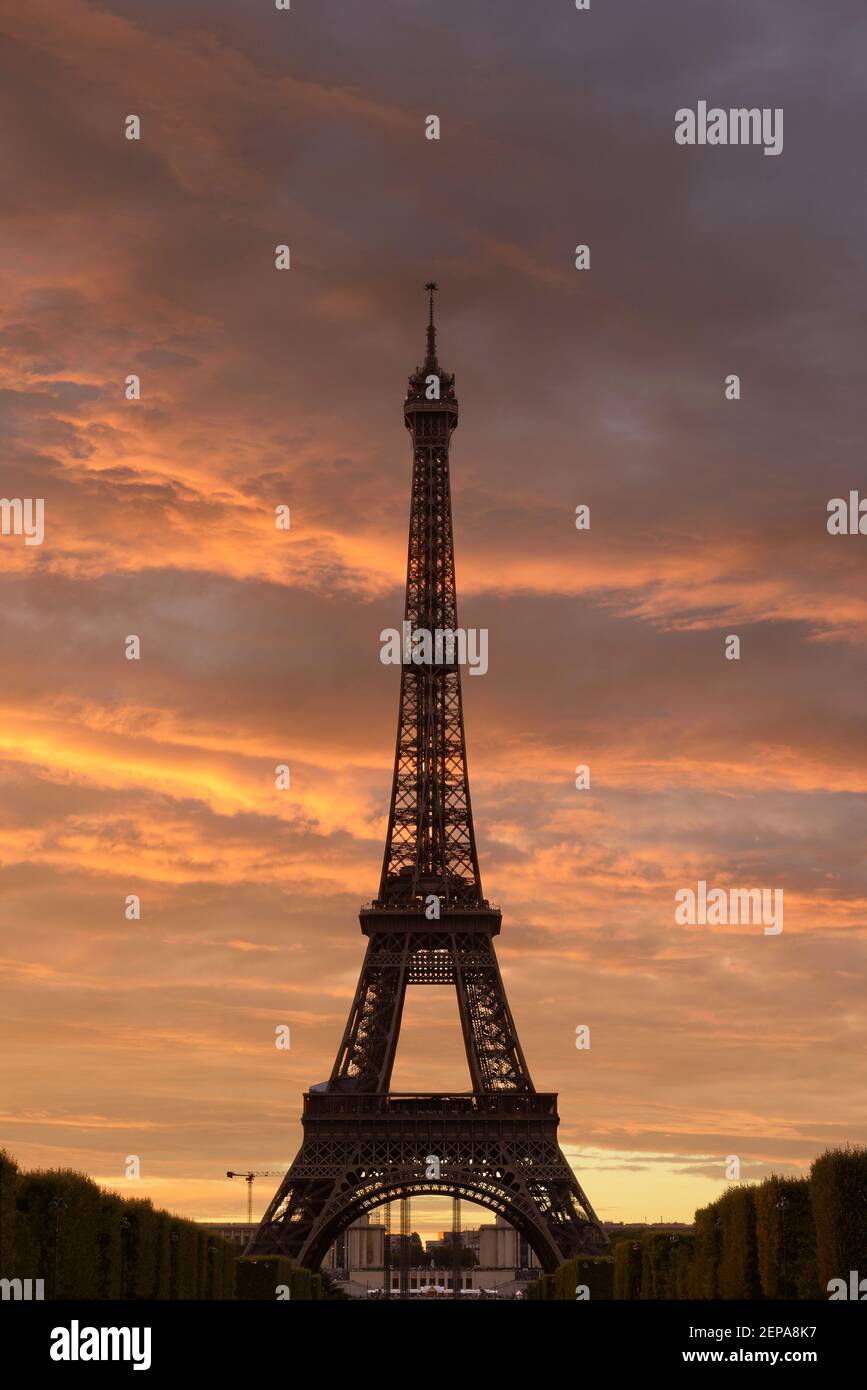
(705, 1260)
(8, 1223)
(58, 1226)
(259, 1276)
(666, 1264)
(838, 1197)
(683, 1265)
(654, 1265)
(786, 1239)
(738, 1273)
(59, 1219)
(228, 1269)
(627, 1269)
(182, 1261)
(163, 1257)
(596, 1271)
(542, 1288)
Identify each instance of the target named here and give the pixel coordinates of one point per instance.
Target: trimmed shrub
(185, 1282)
(203, 1240)
(61, 1213)
(228, 1267)
(738, 1274)
(544, 1287)
(109, 1242)
(139, 1246)
(656, 1266)
(162, 1285)
(838, 1193)
(786, 1239)
(89, 1244)
(681, 1270)
(659, 1254)
(564, 1276)
(706, 1252)
(627, 1269)
(331, 1289)
(8, 1216)
(260, 1275)
(596, 1271)
(221, 1268)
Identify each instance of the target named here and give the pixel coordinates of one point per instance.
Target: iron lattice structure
(364, 1145)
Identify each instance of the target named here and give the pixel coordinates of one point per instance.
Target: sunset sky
(259, 647)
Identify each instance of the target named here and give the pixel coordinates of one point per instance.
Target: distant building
(615, 1227)
(494, 1247)
(504, 1265)
(502, 1247)
(238, 1232)
(359, 1247)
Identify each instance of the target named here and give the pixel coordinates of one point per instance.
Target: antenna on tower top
(431, 359)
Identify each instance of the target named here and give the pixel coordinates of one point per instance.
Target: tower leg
(366, 1055)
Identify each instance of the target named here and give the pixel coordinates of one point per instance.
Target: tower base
(498, 1149)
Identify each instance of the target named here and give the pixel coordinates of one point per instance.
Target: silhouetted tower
(430, 925)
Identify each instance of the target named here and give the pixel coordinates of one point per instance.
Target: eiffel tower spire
(430, 361)
(430, 925)
(430, 845)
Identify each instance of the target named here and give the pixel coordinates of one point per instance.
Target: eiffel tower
(364, 1145)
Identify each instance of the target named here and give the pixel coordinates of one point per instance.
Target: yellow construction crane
(248, 1178)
